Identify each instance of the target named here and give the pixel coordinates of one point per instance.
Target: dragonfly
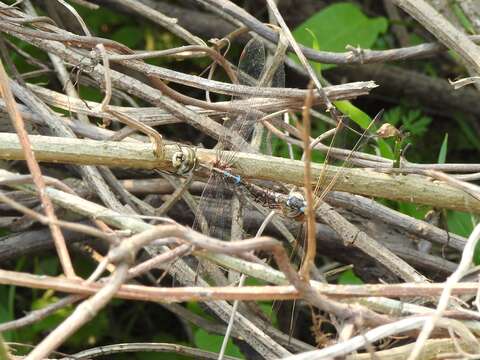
(292, 204)
(251, 68)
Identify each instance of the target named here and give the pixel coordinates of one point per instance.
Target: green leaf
(213, 343)
(412, 121)
(92, 332)
(196, 309)
(415, 39)
(47, 266)
(6, 313)
(4, 351)
(460, 223)
(315, 45)
(357, 115)
(363, 120)
(339, 25)
(52, 321)
(476, 255)
(393, 115)
(414, 210)
(462, 18)
(101, 20)
(349, 278)
(442, 155)
(132, 36)
(467, 130)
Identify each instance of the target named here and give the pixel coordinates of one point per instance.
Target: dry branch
(278, 292)
(368, 182)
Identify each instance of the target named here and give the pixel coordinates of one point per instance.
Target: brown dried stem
(35, 171)
(311, 252)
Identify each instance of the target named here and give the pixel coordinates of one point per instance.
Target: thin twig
(34, 168)
(293, 43)
(146, 347)
(241, 282)
(463, 266)
(311, 252)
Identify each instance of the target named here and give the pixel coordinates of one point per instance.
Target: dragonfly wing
(214, 207)
(252, 63)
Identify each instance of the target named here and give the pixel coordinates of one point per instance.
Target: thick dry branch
(410, 188)
(279, 292)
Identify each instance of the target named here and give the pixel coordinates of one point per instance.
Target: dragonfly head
(184, 160)
(295, 205)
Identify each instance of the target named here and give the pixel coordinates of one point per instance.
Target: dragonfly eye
(183, 161)
(295, 204)
(177, 159)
